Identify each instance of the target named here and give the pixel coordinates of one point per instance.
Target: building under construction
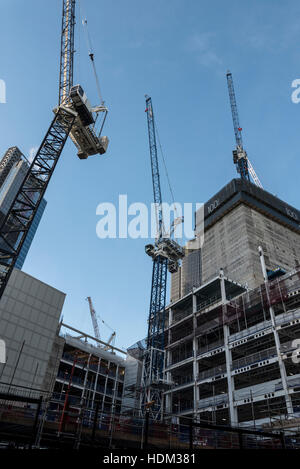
(58, 385)
(88, 376)
(230, 356)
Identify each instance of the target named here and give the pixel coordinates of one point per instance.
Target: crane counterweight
(66, 121)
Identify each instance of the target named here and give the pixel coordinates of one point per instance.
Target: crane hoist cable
(92, 57)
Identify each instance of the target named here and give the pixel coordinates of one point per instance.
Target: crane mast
(154, 167)
(112, 337)
(165, 254)
(66, 51)
(240, 158)
(111, 340)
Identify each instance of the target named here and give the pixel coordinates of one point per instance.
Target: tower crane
(73, 116)
(240, 158)
(166, 254)
(96, 326)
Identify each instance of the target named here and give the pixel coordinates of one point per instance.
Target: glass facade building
(13, 169)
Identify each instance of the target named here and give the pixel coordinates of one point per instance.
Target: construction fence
(30, 419)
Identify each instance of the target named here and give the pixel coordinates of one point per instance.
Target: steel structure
(87, 140)
(19, 218)
(12, 156)
(240, 158)
(66, 51)
(111, 340)
(254, 360)
(165, 254)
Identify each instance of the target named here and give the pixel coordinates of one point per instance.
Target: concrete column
(168, 402)
(288, 400)
(168, 397)
(195, 369)
(95, 387)
(228, 355)
(168, 358)
(170, 316)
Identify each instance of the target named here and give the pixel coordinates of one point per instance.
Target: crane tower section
(66, 51)
(18, 220)
(84, 135)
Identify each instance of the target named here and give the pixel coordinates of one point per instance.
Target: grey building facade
(29, 317)
(93, 376)
(223, 363)
(238, 219)
(13, 169)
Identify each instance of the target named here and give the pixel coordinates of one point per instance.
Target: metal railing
(66, 377)
(254, 358)
(213, 401)
(207, 303)
(218, 370)
(98, 426)
(183, 314)
(245, 361)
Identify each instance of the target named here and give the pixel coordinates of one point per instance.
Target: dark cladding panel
(240, 191)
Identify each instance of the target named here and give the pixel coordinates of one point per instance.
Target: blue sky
(178, 52)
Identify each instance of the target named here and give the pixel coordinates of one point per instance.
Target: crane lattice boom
(18, 220)
(234, 111)
(254, 175)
